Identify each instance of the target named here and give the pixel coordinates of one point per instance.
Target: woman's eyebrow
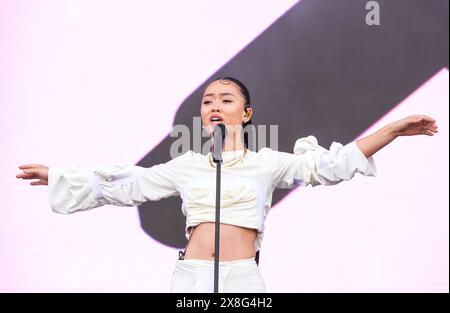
(221, 94)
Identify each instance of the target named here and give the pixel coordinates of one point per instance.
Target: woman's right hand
(34, 171)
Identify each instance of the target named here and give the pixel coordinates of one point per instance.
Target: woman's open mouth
(216, 119)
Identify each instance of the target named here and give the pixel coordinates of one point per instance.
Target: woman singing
(248, 181)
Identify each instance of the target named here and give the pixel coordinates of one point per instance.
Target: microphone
(218, 142)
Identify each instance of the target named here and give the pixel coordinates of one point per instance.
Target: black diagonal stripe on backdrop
(319, 69)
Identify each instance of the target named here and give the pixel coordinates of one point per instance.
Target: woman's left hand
(415, 125)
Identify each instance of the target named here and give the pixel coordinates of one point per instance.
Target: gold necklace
(231, 163)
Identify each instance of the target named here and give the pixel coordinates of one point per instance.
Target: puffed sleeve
(311, 164)
(74, 188)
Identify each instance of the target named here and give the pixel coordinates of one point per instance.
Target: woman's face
(222, 103)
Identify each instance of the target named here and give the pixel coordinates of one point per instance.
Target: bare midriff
(235, 242)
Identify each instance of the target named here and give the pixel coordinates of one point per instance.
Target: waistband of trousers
(211, 262)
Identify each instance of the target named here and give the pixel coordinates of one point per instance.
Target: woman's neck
(233, 143)
(233, 147)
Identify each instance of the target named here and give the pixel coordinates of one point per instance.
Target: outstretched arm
(408, 126)
(74, 188)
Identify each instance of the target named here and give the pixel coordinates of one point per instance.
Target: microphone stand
(219, 135)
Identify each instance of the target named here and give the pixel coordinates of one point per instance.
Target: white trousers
(193, 275)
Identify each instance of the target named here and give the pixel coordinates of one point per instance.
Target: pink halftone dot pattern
(384, 234)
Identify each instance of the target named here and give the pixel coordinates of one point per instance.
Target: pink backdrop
(89, 82)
